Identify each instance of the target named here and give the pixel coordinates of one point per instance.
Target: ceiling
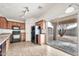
(15, 10)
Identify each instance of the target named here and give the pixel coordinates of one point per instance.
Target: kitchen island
(4, 43)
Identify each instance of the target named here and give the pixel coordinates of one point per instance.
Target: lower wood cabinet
(23, 36)
(3, 49)
(7, 44)
(41, 39)
(0, 50)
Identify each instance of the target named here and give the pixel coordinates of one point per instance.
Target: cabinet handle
(0, 49)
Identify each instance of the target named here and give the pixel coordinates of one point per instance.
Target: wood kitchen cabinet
(7, 44)
(3, 49)
(41, 39)
(3, 22)
(0, 50)
(9, 25)
(23, 36)
(41, 23)
(21, 25)
(42, 35)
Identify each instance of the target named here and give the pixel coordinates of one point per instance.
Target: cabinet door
(0, 50)
(4, 49)
(23, 36)
(9, 25)
(3, 22)
(41, 23)
(22, 25)
(0, 23)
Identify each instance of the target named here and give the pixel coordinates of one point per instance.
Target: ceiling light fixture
(26, 9)
(71, 8)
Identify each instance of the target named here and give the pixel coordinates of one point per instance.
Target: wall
(29, 22)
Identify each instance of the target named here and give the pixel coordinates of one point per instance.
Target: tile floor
(68, 47)
(30, 49)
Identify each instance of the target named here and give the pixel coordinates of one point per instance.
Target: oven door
(16, 36)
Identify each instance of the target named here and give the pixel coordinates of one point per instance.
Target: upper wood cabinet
(9, 25)
(3, 22)
(41, 23)
(21, 25)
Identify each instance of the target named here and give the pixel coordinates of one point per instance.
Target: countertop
(4, 37)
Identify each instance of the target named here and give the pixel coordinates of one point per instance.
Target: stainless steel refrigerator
(35, 31)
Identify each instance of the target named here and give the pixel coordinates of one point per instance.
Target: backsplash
(8, 31)
(5, 31)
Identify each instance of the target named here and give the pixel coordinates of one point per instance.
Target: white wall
(29, 22)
